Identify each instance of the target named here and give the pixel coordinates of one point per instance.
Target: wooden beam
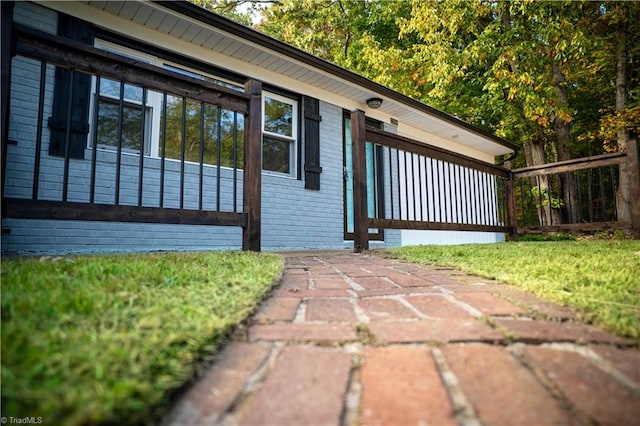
(252, 185)
(84, 58)
(405, 144)
(5, 91)
(570, 165)
(432, 226)
(510, 195)
(575, 227)
(58, 210)
(633, 168)
(360, 214)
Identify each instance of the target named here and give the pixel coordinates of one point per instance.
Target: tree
(619, 27)
(241, 11)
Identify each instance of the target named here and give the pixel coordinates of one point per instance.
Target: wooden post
(633, 168)
(252, 185)
(6, 55)
(360, 215)
(510, 194)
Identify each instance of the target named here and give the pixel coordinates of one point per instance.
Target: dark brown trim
(571, 165)
(433, 226)
(633, 169)
(193, 11)
(575, 227)
(5, 90)
(399, 142)
(510, 197)
(58, 210)
(66, 53)
(253, 167)
(360, 216)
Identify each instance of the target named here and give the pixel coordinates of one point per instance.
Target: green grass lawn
(600, 278)
(106, 339)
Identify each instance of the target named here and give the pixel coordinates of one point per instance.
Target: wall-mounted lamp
(374, 103)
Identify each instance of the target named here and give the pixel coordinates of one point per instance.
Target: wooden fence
(583, 194)
(71, 185)
(421, 187)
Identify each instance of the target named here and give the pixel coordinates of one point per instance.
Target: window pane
(276, 155)
(278, 117)
(191, 129)
(212, 117)
(108, 125)
(227, 121)
(112, 88)
(240, 141)
(173, 127)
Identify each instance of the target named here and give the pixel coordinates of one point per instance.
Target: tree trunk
(540, 188)
(568, 181)
(623, 196)
(534, 154)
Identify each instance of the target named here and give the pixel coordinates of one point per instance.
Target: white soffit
(157, 18)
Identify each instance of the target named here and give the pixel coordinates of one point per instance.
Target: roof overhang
(188, 23)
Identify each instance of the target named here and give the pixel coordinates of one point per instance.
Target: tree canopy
(559, 78)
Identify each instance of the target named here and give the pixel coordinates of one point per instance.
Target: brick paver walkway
(352, 339)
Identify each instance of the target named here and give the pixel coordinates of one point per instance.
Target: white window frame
(293, 140)
(154, 99)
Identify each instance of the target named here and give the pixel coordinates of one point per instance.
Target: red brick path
(352, 339)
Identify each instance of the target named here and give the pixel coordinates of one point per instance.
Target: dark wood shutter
(312, 120)
(81, 31)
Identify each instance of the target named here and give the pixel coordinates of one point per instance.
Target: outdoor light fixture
(374, 103)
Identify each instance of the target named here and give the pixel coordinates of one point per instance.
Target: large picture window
(279, 134)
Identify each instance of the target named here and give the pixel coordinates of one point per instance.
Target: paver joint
(359, 339)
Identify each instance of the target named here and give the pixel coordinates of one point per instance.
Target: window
(219, 125)
(128, 114)
(279, 134)
(223, 133)
(133, 122)
(109, 96)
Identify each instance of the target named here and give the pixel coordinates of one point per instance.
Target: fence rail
(578, 195)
